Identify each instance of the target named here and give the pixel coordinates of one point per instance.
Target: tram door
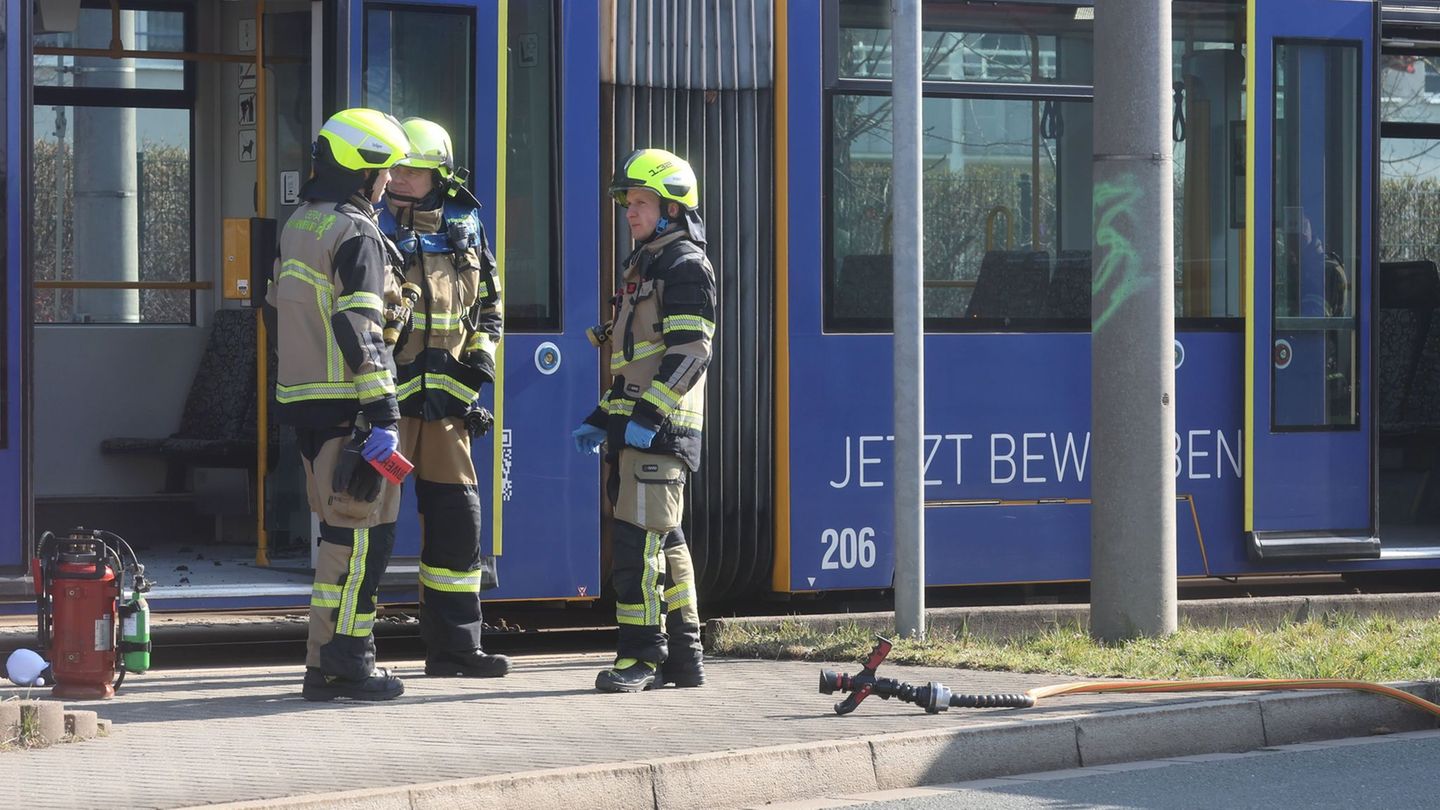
(14, 487)
(489, 72)
(1309, 462)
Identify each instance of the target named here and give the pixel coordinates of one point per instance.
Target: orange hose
(1243, 685)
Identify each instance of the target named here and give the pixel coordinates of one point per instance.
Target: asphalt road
(1371, 773)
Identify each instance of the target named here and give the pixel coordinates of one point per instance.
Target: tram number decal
(854, 548)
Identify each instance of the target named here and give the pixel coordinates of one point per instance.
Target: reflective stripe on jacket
(660, 347)
(449, 352)
(332, 282)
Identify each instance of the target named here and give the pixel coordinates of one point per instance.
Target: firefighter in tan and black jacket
(651, 418)
(336, 284)
(443, 362)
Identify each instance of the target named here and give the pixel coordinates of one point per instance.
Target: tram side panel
(1008, 459)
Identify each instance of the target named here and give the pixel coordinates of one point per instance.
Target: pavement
(757, 733)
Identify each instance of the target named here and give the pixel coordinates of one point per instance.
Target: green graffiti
(1118, 275)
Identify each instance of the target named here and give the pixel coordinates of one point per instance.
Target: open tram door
(1309, 410)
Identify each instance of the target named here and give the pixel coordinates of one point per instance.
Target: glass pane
(1316, 239)
(1409, 200)
(119, 178)
(1410, 88)
(532, 275)
(138, 31)
(420, 64)
(1208, 120)
(1007, 214)
(965, 42)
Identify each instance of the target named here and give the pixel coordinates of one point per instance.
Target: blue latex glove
(637, 435)
(381, 443)
(588, 439)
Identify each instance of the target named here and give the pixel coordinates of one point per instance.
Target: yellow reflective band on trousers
(449, 581)
(323, 595)
(349, 623)
(629, 614)
(324, 305)
(360, 300)
(688, 323)
(310, 391)
(643, 349)
(679, 596)
(654, 577)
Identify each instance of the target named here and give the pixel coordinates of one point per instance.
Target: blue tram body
(1304, 434)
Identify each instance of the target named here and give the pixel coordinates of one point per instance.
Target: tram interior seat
(1407, 335)
(1011, 284)
(217, 426)
(1069, 296)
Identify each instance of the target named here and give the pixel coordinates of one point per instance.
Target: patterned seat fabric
(1011, 284)
(217, 426)
(1069, 297)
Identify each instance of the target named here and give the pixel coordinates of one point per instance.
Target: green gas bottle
(135, 633)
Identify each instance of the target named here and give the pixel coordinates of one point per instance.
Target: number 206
(852, 547)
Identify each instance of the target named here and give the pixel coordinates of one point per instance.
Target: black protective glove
(478, 421)
(353, 474)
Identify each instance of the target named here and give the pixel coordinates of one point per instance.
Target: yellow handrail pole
(262, 353)
(497, 434)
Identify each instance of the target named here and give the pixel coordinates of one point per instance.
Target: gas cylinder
(135, 631)
(81, 593)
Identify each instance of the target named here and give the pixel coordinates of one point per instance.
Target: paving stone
(48, 719)
(81, 724)
(208, 736)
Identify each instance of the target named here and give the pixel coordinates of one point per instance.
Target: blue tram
(151, 147)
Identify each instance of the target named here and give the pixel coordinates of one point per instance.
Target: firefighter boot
(628, 675)
(380, 685)
(469, 664)
(686, 664)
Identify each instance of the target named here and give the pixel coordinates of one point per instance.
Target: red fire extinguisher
(79, 596)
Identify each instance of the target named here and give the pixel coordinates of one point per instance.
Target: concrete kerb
(1001, 621)
(740, 778)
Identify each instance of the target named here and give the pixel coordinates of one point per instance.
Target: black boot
(686, 664)
(380, 685)
(469, 664)
(634, 676)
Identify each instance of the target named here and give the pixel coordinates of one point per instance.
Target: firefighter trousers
(451, 565)
(656, 603)
(356, 539)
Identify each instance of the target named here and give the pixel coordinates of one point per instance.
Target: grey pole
(107, 226)
(909, 377)
(1132, 545)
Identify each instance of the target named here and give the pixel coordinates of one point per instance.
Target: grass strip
(1328, 646)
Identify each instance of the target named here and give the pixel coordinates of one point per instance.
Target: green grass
(1332, 646)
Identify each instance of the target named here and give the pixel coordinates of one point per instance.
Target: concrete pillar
(1132, 547)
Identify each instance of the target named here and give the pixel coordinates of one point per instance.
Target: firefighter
(442, 363)
(336, 283)
(650, 421)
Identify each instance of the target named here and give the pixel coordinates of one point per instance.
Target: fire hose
(935, 697)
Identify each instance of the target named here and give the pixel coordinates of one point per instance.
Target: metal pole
(1132, 546)
(909, 378)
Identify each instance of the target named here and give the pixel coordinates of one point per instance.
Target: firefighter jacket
(333, 280)
(660, 347)
(449, 351)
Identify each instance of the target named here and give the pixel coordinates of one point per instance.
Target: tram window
(1033, 43)
(111, 194)
(532, 273)
(421, 63)
(1007, 214)
(1410, 160)
(1317, 230)
(1209, 130)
